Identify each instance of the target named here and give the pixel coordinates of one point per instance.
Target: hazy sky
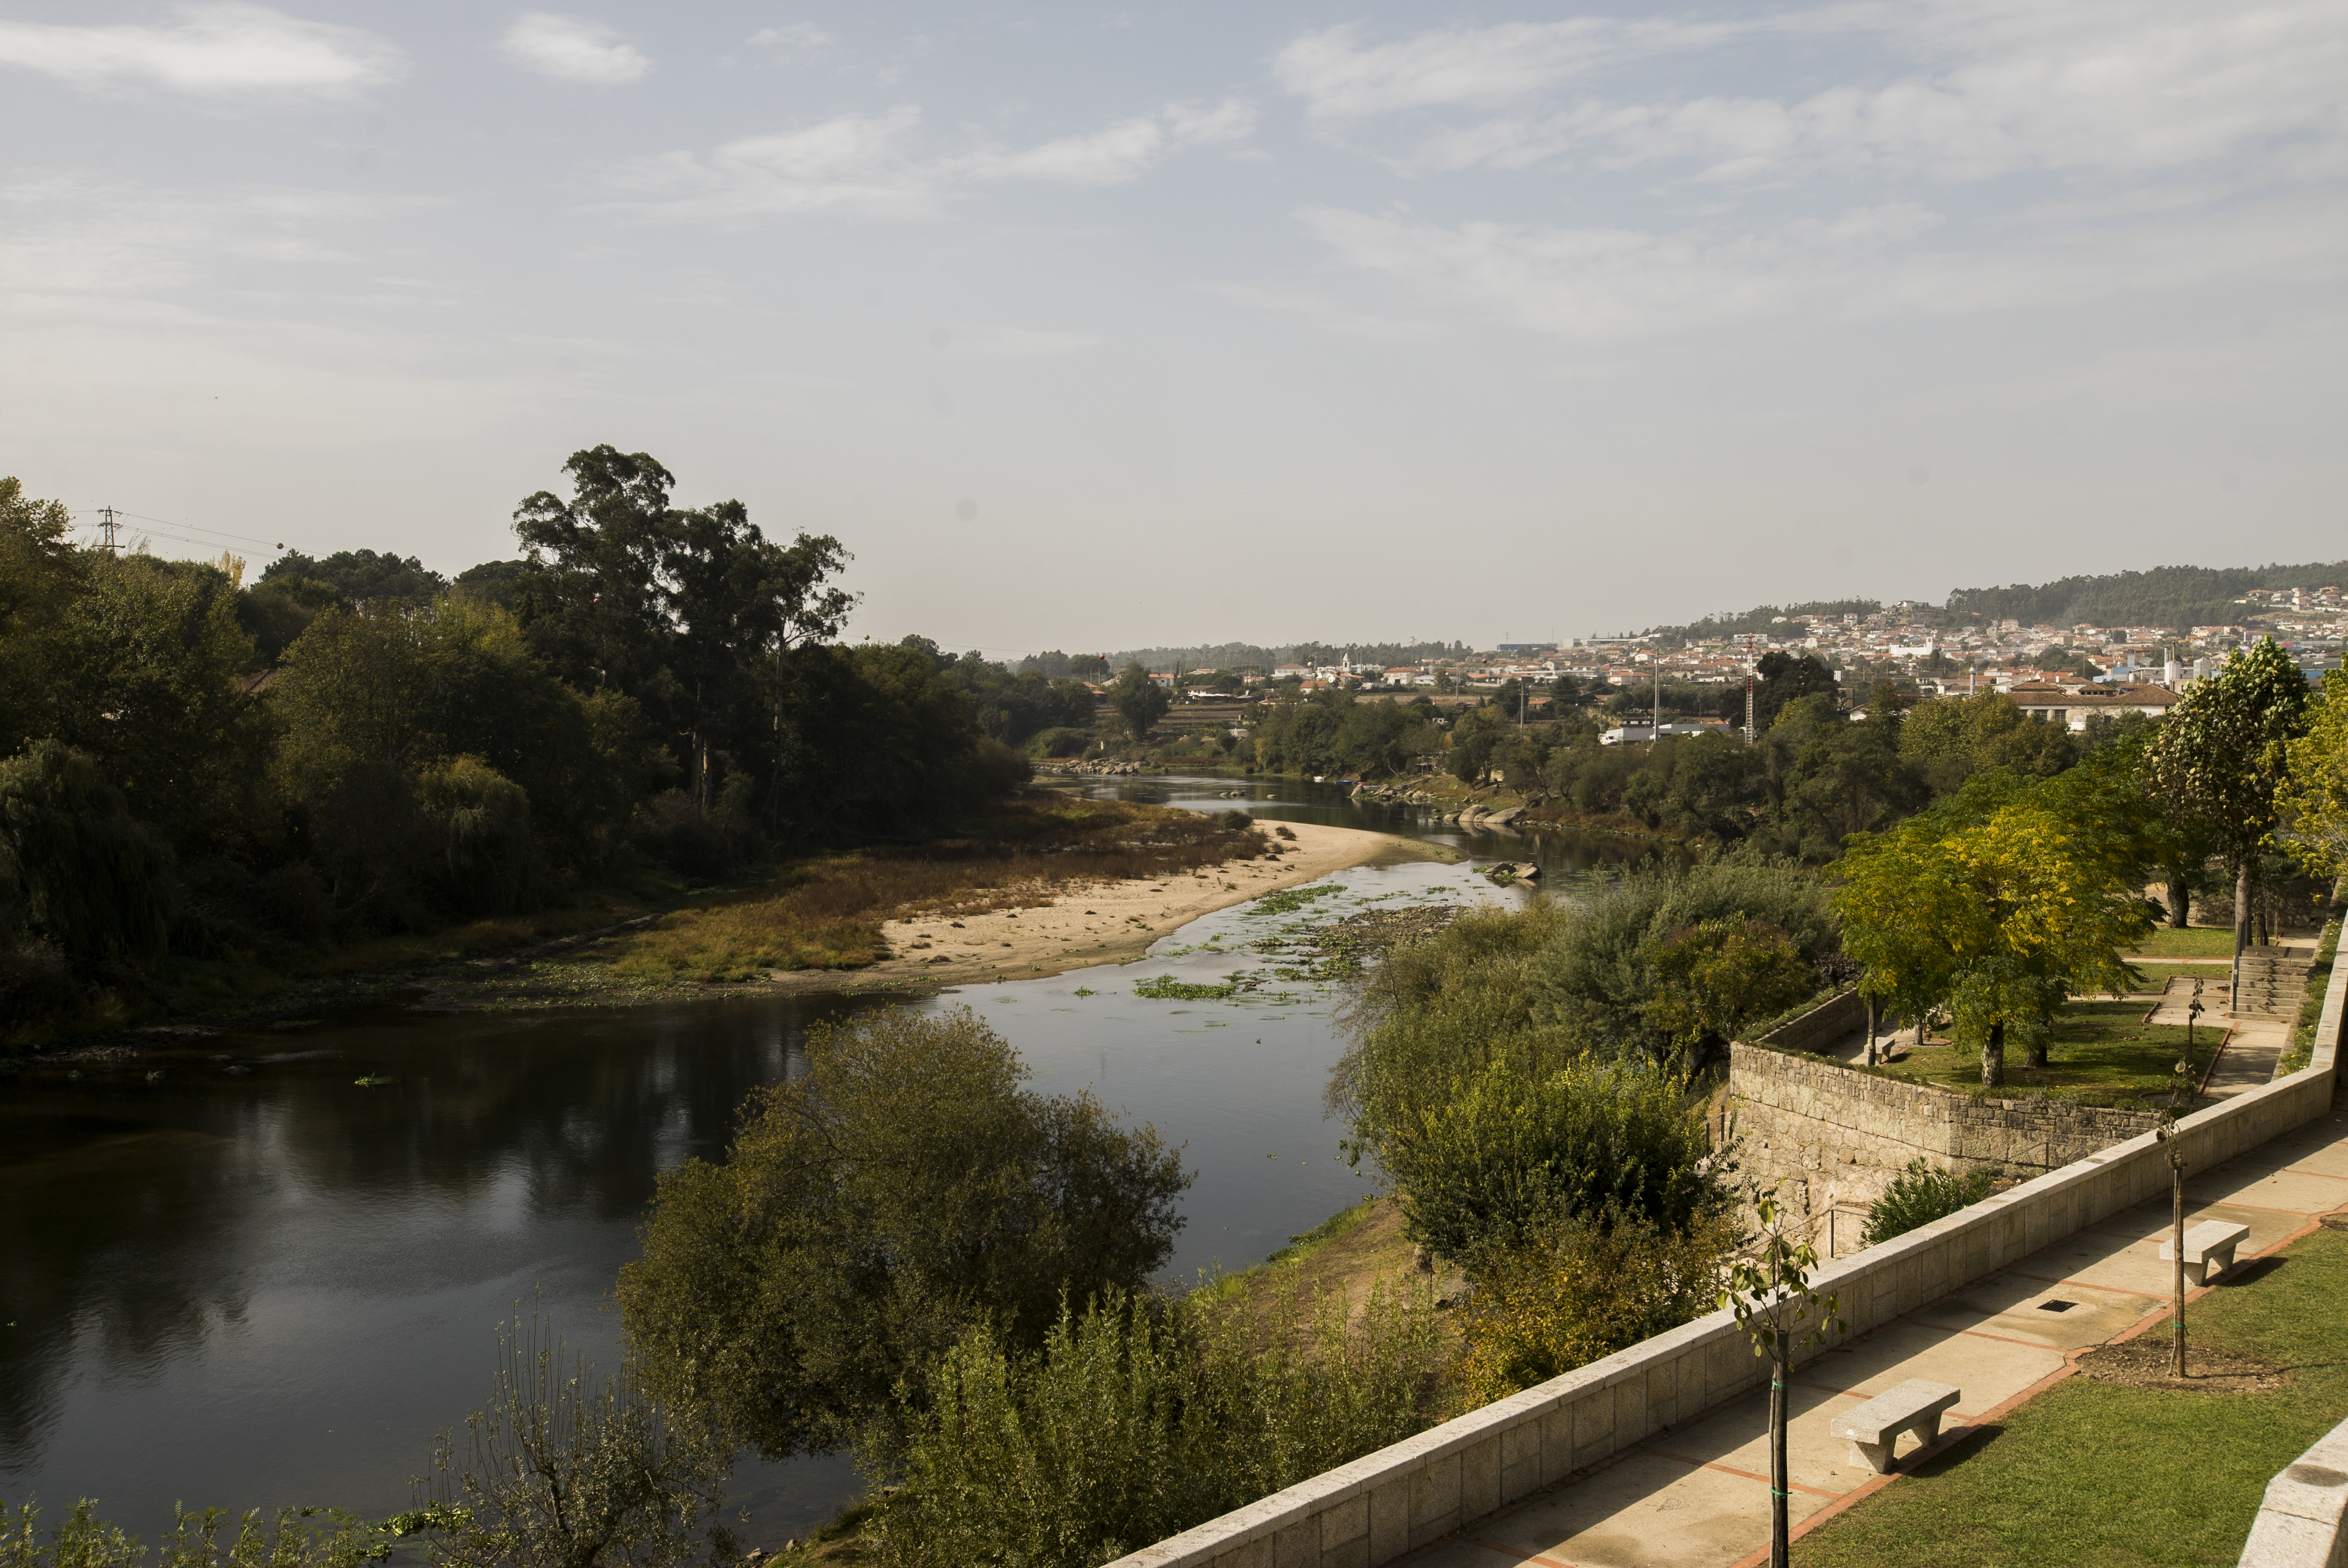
(1110, 326)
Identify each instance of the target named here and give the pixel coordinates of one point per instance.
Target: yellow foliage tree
(2315, 796)
(2000, 902)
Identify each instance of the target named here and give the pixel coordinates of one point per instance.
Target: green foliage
(1919, 1194)
(1139, 700)
(867, 1212)
(1719, 975)
(2002, 901)
(2219, 760)
(1166, 988)
(74, 868)
(483, 820)
(84, 1539)
(2173, 596)
(2313, 799)
(1949, 739)
(1334, 732)
(1598, 983)
(1576, 1293)
(1500, 1158)
(359, 576)
(561, 1470)
(1131, 1422)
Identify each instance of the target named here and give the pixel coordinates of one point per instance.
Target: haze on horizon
(1175, 324)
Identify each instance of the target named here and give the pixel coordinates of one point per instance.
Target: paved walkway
(1698, 1496)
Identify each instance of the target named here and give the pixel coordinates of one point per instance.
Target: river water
(230, 1276)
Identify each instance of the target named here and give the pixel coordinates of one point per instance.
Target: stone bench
(1874, 1428)
(2209, 1249)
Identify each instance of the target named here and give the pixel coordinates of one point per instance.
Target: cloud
(210, 50)
(1199, 125)
(854, 165)
(793, 36)
(1598, 284)
(572, 49)
(1109, 157)
(1601, 284)
(862, 166)
(1322, 312)
(1973, 89)
(1339, 77)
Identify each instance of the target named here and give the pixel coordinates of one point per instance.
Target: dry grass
(827, 914)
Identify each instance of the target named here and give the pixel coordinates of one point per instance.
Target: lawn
(2193, 942)
(2102, 1054)
(2095, 1473)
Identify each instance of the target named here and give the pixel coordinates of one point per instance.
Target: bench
(1874, 1428)
(2209, 1249)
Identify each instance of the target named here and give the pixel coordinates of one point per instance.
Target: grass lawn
(2154, 973)
(2193, 942)
(2101, 1054)
(2097, 1474)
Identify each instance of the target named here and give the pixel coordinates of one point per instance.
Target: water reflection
(253, 1283)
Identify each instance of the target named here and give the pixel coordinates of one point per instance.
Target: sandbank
(1111, 922)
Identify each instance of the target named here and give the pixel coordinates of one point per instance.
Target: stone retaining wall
(1389, 1504)
(1824, 1135)
(1822, 1025)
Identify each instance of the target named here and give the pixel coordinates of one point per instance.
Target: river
(230, 1276)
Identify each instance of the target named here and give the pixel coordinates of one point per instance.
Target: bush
(1061, 742)
(869, 1212)
(1504, 1158)
(1496, 1128)
(289, 1541)
(1133, 1422)
(1578, 1293)
(1920, 1195)
(563, 1472)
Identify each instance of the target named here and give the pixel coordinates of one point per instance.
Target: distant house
(1291, 672)
(2055, 706)
(1638, 735)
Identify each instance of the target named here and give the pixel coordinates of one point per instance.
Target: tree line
(195, 764)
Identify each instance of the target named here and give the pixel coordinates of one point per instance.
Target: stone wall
(1823, 1024)
(1389, 1504)
(1827, 1136)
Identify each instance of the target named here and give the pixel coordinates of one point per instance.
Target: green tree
(1785, 677)
(1717, 976)
(359, 576)
(905, 1188)
(2219, 760)
(83, 873)
(1139, 700)
(1949, 739)
(2000, 902)
(2313, 802)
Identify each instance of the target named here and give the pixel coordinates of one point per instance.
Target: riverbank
(1111, 922)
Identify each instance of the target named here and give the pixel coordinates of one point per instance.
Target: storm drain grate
(2056, 1306)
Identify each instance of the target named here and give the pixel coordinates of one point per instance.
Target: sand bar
(1111, 922)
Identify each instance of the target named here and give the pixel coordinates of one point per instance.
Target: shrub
(1920, 1195)
(904, 1188)
(560, 1470)
(1496, 1128)
(1133, 1422)
(79, 871)
(1504, 1158)
(1578, 1293)
(289, 1541)
(1060, 741)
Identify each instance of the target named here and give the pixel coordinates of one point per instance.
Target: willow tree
(2219, 762)
(1999, 903)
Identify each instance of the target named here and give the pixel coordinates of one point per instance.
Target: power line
(110, 513)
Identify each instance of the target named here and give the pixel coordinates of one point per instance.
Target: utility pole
(107, 525)
(1749, 688)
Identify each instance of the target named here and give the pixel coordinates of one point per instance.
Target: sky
(1095, 327)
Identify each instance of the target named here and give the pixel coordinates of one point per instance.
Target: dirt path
(1112, 922)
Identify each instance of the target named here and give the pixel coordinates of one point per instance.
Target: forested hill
(2179, 596)
(1240, 655)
